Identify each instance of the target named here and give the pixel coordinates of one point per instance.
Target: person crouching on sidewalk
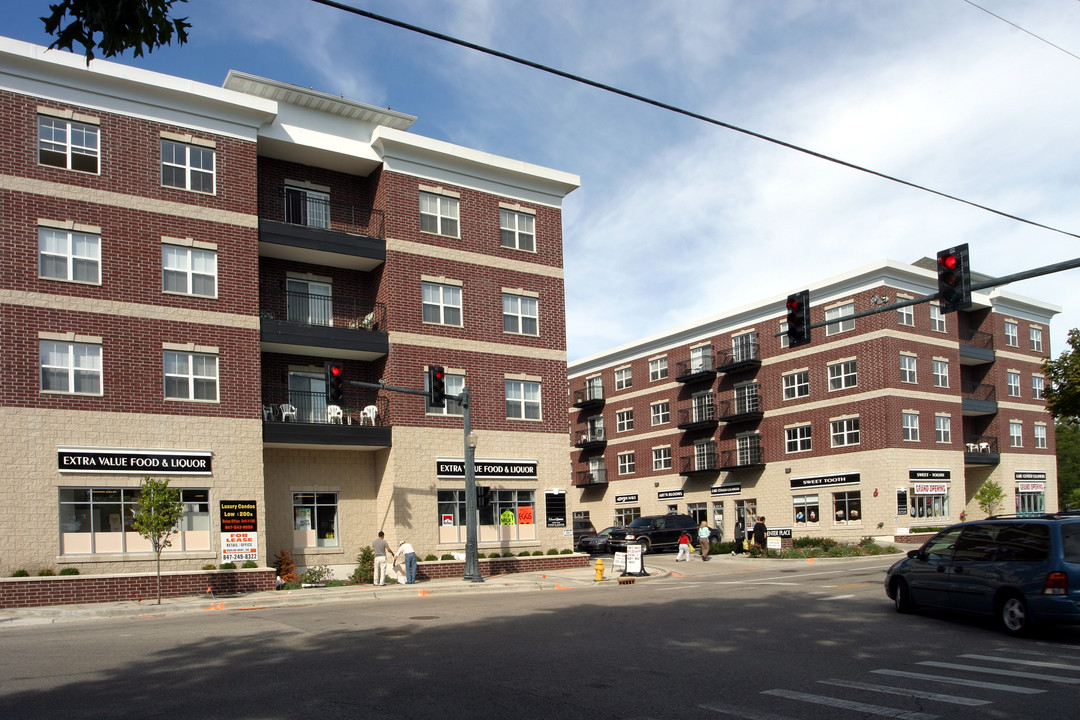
(684, 548)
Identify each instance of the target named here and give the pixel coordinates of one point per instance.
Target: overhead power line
(681, 111)
(1010, 22)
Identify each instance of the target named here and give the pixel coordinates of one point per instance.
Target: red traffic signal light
(436, 386)
(798, 318)
(335, 383)
(954, 279)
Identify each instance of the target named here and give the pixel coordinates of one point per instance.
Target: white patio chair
(268, 413)
(334, 414)
(287, 411)
(369, 414)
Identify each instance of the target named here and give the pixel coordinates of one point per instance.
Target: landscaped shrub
(20, 573)
(447, 556)
(289, 586)
(209, 567)
(566, 551)
(286, 568)
(70, 571)
(227, 566)
(249, 564)
(430, 558)
(364, 574)
(538, 552)
(46, 572)
(508, 554)
(524, 553)
(552, 551)
(316, 575)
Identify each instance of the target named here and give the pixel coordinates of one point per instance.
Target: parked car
(653, 532)
(1022, 570)
(582, 528)
(597, 543)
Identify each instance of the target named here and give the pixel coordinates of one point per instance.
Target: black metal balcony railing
(590, 437)
(298, 208)
(322, 310)
(742, 356)
(981, 444)
(977, 338)
(699, 415)
(696, 368)
(590, 396)
(358, 408)
(978, 391)
(700, 462)
(750, 455)
(585, 478)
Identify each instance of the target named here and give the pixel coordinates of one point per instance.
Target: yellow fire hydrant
(599, 570)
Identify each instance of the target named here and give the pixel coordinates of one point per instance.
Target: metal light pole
(472, 562)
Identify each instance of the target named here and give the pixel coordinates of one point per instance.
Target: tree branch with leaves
(157, 517)
(1062, 390)
(113, 26)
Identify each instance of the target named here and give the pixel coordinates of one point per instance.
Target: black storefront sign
(626, 498)
(239, 516)
(927, 474)
(669, 494)
(825, 481)
(487, 469)
(784, 532)
(134, 462)
(1029, 475)
(725, 489)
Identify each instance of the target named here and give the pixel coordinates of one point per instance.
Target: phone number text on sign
(239, 546)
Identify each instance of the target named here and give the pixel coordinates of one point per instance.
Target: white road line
(1040, 653)
(851, 705)
(836, 597)
(748, 713)
(847, 570)
(905, 692)
(1010, 673)
(962, 681)
(1014, 661)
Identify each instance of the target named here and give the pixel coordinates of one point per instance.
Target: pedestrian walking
(406, 549)
(684, 548)
(740, 535)
(760, 531)
(704, 537)
(380, 548)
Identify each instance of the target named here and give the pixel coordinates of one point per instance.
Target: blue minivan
(1022, 570)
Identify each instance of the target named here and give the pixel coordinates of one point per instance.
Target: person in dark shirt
(760, 531)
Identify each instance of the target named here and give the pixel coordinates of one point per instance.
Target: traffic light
(436, 386)
(954, 279)
(798, 318)
(335, 383)
(483, 496)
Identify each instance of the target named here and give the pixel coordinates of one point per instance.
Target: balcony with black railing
(747, 457)
(302, 323)
(696, 369)
(589, 398)
(981, 450)
(313, 228)
(590, 478)
(978, 398)
(742, 409)
(293, 418)
(702, 461)
(591, 438)
(744, 356)
(976, 347)
(701, 416)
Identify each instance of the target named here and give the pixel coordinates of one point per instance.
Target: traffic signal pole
(472, 558)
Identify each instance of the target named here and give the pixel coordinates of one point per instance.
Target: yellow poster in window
(507, 517)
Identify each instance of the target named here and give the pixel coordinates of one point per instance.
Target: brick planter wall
(501, 566)
(69, 589)
(912, 539)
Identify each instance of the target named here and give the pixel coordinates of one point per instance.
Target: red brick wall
(67, 590)
(503, 566)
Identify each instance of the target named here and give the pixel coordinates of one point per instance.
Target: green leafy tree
(157, 516)
(989, 497)
(1068, 461)
(1062, 390)
(113, 26)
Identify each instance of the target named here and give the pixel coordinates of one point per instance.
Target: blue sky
(676, 219)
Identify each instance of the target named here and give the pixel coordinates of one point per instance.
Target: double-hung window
(1012, 338)
(797, 439)
(937, 319)
(624, 420)
(837, 313)
(943, 428)
(70, 367)
(68, 144)
(69, 255)
(1038, 387)
(906, 315)
(522, 400)
(188, 167)
(661, 458)
(1040, 436)
(1012, 382)
(442, 303)
(188, 270)
(1035, 334)
(191, 376)
(1016, 434)
(844, 431)
(907, 369)
(941, 373)
(438, 214)
(520, 314)
(797, 384)
(910, 424)
(658, 369)
(517, 230)
(661, 412)
(627, 465)
(843, 375)
(624, 378)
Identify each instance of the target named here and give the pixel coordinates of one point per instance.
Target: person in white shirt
(406, 549)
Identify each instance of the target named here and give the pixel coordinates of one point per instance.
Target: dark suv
(1020, 569)
(653, 532)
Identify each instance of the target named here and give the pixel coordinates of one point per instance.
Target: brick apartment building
(179, 261)
(882, 423)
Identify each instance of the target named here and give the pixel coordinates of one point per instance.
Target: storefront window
(315, 518)
(929, 506)
(99, 520)
(805, 509)
(626, 515)
(509, 516)
(1030, 503)
(847, 507)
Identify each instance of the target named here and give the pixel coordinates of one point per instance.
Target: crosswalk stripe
(997, 671)
(962, 681)
(1032, 663)
(748, 713)
(1039, 653)
(906, 692)
(851, 705)
(836, 597)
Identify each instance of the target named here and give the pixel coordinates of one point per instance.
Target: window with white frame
(191, 376)
(658, 369)
(1038, 387)
(520, 315)
(844, 431)
(623, 516)
(748, 449)
(454, 384)
(438, 214)
(661, 412)
(701, 358)
(1040, 436)
(702, 406)
(522, 400)
(661, 458)
(1012, 381)
(907, 369)
(69, 255)
(746, 398)
(705, 455)
(188, 271)
(99, 520)
(744, 346)
(1012, 336)
(937, 318)
(305, 206)
(1035, 334)
(517, 230)
(69, 145)
(941, 373)
(1016, 434)
(441, 303)
(626, 463)
(843, 375)
(906, 315)
(188, 167)
(943, 428)
(805, 509)
(785, 341)
(909, 421)
(835, 314)
(796, 384)
(315, 519)
(70, 367)
(624, 420)
(797, 439)
(624, 378)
